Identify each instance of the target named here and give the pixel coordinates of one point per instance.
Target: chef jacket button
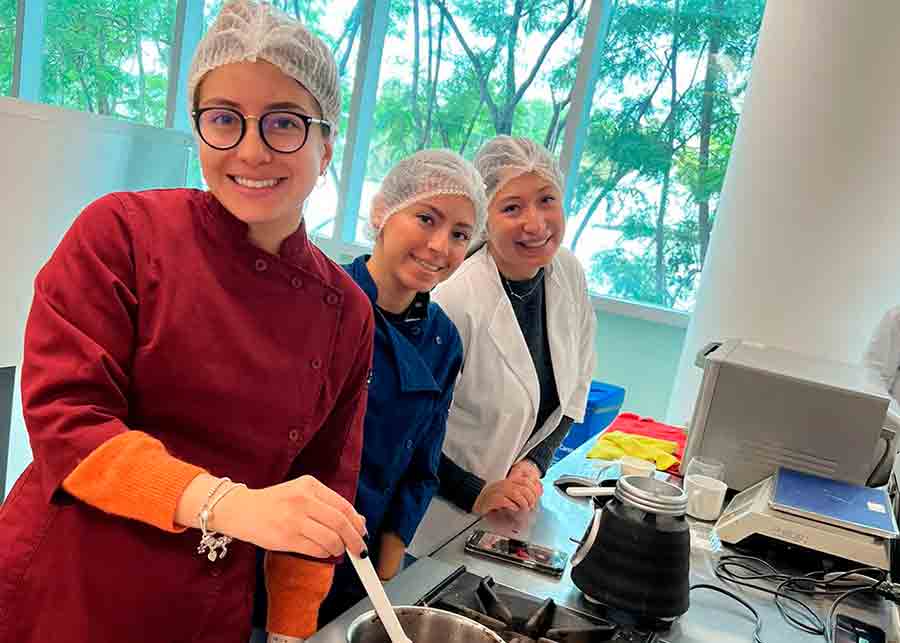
(294, 435)
(216, 571)
(409, 444)
(261, 265)
(438, 340)
(316, 364)
(416, 330)
(296, 282)
(331, 298)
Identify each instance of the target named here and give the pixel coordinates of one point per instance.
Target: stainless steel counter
(559, 519)
(712, 616)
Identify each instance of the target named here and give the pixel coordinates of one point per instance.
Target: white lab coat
(883, 353)
(496, 399)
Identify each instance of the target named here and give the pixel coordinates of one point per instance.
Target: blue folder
(864, 509)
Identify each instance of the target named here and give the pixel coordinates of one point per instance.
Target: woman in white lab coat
(522, 308)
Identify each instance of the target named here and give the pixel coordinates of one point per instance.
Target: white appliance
(760, 407)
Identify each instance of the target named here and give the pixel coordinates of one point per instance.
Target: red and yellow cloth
(645, 438)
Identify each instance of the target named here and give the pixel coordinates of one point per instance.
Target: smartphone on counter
(850, 630)
(518, 552)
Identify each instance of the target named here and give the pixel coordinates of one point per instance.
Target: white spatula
(375, 590)
(583, 492)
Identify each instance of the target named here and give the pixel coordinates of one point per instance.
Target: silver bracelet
(212, 492)
(203, 515)
(212, 505)
(213, 544)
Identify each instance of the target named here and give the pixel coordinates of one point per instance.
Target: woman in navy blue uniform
(428, 209)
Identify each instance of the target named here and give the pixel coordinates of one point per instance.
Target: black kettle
(636, 553)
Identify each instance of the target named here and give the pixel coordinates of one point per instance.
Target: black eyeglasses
(223, 128)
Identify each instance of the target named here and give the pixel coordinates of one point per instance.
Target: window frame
(188, 28)
(30, 19)
(373, 31)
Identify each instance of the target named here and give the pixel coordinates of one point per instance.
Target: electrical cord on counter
(740, 570)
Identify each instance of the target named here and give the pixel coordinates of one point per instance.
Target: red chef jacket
(155, 313)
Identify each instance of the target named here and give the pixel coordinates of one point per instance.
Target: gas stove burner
(492, 605)
(626, 617)
(519, 617)
(535, 626)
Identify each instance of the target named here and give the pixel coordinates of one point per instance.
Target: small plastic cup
(705, 496)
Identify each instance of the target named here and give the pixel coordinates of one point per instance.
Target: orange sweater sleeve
(133, 476)
(296, 588)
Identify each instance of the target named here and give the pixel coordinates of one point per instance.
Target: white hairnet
(251, 30)
(504, 158)
(424, 174)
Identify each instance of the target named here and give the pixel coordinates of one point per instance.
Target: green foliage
(643, 175)
(7, 42)
(109, 56)
(640, 139)
(671, 75)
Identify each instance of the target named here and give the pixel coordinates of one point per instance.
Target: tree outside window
(671, 78)
(656, 142)
(8, 9)
(109, 57)
(666, 105)
(457, 72)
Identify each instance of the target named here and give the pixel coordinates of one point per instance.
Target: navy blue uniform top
(417, 358)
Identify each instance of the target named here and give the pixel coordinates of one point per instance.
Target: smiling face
(525, 225)
(261, 187)
(422, 245)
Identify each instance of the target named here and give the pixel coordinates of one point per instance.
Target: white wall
(54, 162)
(805, 252)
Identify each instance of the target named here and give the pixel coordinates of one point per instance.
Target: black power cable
(739, 570)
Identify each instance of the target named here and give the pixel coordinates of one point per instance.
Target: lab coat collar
(415, 375)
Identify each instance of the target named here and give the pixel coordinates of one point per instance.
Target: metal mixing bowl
(422, 625)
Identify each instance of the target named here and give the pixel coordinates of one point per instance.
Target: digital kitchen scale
(750, 513)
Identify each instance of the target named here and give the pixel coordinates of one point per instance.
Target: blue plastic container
(603, 405)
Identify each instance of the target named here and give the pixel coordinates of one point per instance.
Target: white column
(805, 251)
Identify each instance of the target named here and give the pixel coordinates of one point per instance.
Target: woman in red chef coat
(194, 379)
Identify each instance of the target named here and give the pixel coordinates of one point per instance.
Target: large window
(455, 73)
(654, 133)
(109, 57)
(7, 43)
(666, 104)
(338, 24)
